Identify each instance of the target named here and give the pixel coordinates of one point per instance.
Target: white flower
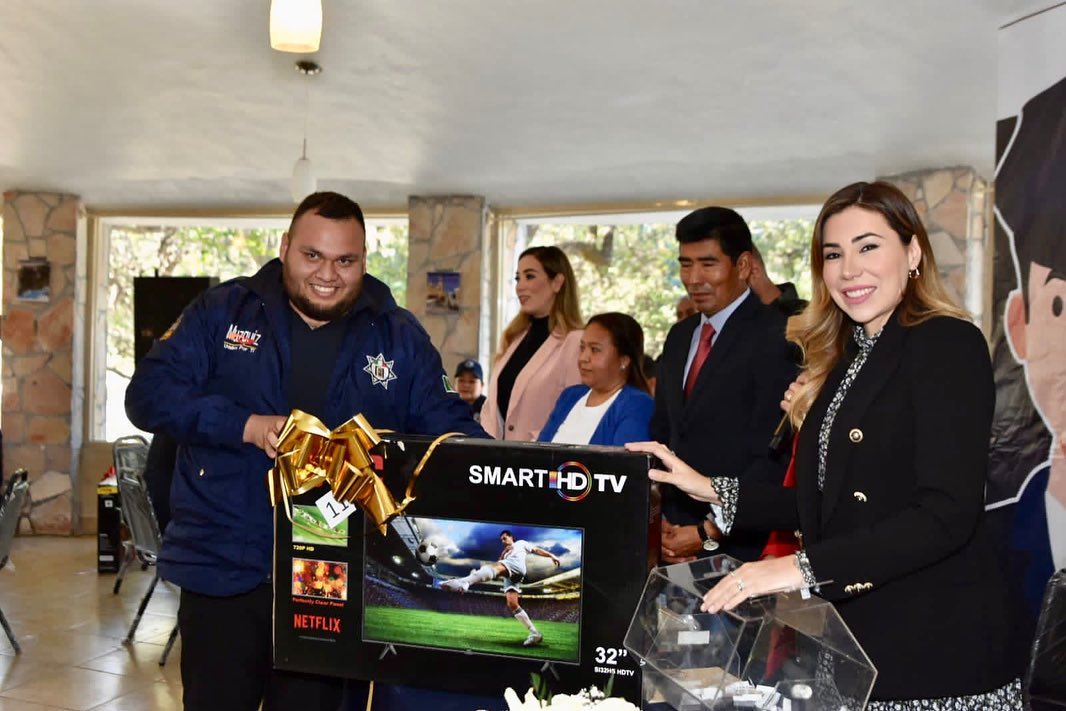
(584, 700)
(563, 702)
(530, 703)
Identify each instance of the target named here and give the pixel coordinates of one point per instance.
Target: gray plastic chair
(11, 503)
(145, 541)
(1045, 682)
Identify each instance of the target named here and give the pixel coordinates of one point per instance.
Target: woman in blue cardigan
(611, 406)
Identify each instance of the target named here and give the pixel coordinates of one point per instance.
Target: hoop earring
(914, 273)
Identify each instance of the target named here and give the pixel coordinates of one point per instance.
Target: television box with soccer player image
(592, 508)
(486, 587)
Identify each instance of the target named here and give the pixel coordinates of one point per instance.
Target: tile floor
(71, 629)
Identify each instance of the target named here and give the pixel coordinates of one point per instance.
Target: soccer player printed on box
(512, 568)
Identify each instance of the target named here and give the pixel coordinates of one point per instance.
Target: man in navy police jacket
(309, 330)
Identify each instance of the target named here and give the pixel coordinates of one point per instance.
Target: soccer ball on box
(427, 552)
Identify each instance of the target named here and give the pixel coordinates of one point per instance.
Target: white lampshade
(295, 25)
(303, 180)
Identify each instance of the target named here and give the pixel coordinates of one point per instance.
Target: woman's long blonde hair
(565, 314)
(822, 329)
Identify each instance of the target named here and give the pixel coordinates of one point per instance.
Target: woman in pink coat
(537, 359)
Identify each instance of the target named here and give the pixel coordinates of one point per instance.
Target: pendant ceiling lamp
(304, 181)
(303, 177)
(295, 25)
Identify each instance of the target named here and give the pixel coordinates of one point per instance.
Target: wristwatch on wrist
(709, 544)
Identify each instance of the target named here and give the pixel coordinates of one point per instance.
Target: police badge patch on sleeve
(448, 385)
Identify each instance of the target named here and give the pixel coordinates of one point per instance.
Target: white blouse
(582, 420)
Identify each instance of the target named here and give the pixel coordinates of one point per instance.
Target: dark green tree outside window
(634, 269)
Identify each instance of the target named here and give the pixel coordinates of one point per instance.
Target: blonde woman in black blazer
(896, 407)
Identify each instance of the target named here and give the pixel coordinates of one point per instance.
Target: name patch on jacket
(238, 339)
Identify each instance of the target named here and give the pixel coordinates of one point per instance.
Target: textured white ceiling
(159, 103)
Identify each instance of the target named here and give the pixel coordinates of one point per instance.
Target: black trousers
(226, 660)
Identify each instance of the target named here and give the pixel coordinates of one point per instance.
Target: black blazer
(899, 527)
(725, 427)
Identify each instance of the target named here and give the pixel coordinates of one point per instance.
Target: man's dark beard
(315, 312)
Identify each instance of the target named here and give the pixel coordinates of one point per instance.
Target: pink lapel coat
(552, 369)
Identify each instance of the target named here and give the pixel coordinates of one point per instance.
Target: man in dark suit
(721, 378)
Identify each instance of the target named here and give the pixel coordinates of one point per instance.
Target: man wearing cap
(469, 382)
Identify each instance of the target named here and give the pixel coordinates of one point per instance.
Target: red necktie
(704, 350)
(784, 543)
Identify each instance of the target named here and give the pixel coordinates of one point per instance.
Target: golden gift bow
(309, 455)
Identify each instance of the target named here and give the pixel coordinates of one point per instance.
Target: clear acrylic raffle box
(774, 652)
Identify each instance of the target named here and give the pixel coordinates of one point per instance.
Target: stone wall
(953, 204)
(447, 234)
(503, 263)
(37, 356)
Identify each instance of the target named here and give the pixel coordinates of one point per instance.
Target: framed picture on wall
(442, 292)
(34, 279)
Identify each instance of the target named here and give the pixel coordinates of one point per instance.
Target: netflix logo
(316, 622)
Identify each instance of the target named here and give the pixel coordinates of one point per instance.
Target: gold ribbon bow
(309, 455)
